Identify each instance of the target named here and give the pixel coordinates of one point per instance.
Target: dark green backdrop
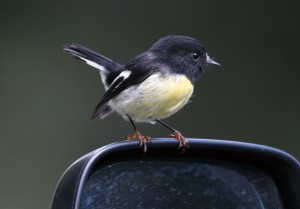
(47, 96)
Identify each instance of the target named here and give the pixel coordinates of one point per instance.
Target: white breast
(158, 97)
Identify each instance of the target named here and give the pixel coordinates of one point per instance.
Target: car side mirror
(210, 174)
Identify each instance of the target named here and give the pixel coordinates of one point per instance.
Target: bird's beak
(210, 61)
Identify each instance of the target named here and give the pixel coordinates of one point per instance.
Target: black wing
(113, 90)
(118, 85)
(135, 72)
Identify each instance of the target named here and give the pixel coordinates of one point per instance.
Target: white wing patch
(125, 74)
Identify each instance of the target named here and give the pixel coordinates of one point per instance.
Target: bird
(151, 86)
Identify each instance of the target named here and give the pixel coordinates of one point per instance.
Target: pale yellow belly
(157, 97)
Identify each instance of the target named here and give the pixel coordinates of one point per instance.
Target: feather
(92, 58)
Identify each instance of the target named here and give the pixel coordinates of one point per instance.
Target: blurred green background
(47, 96)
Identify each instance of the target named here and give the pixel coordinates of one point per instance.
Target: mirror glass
(177, 184)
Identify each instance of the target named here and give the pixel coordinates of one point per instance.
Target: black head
(184, 55)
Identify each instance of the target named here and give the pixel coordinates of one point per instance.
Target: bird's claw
(142, 139)
(183, 142)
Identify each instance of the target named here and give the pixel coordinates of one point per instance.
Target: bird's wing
(106, 112)
(108, 68)
(112, 91)
(125, 79)
(92, 58)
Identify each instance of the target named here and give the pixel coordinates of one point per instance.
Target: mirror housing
(210, 173)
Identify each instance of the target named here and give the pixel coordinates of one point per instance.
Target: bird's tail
(105, 65)
(91, 57)
(108, 68)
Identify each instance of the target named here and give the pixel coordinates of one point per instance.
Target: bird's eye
(195, 55)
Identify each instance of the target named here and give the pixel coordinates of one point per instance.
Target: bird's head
(183, 54)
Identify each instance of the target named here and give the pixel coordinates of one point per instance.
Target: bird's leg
(183, 142)
(137, 135)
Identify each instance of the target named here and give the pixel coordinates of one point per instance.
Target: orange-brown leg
(137, 135)
(183, 142)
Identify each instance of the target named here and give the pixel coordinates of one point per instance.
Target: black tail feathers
(91, 57)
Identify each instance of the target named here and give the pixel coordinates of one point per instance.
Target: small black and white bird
(152, 86)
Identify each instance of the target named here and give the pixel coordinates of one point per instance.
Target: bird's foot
(183, 142)
(143, 139)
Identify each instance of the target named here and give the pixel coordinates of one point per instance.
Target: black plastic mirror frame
(282, 167)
